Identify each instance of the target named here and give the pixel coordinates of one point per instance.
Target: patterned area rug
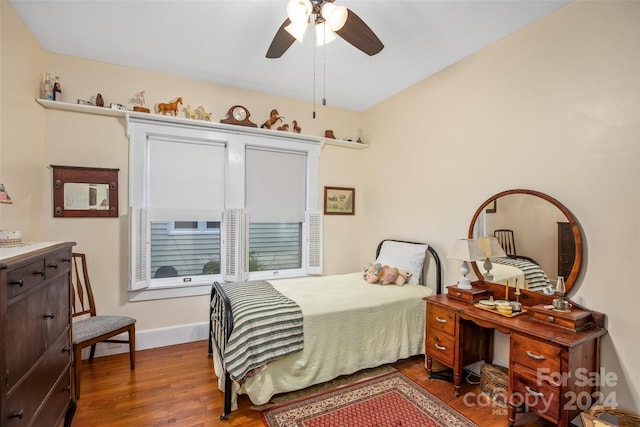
(387, 400)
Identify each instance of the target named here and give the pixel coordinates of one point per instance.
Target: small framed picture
(339, 201)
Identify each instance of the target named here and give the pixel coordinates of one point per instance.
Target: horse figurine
(190, 113)
(203, 115)
(284, 127)
(272, 120)
(171, 106)
(296, 128)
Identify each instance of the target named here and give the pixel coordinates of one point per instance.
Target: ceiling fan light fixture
(299, 11)
(335, 16)
(297, 30)
(324, 35)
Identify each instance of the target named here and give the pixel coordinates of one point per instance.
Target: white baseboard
(153, 338)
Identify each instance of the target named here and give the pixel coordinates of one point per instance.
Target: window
(207, 205)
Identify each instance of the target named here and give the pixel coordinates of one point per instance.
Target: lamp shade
(491, 247)
(4, 196)
(466, 250)
(324, 35)
(335, 16)
(299, 11)
(296, 30)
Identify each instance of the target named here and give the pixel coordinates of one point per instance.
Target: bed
(348, 324)
(518, 267)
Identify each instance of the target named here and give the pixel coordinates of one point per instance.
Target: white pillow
(404, 256)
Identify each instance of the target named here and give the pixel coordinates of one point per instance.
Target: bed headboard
(434, 256)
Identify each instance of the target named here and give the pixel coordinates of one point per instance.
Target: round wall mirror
(528, 237)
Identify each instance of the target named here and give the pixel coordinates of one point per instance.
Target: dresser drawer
(440, 346)
(535, 354)
(24, 278)
(441, 319)
(56, 406)
(57, 263)
(538, 396)
(51, 368)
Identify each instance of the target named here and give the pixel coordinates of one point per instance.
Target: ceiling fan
(328, 20)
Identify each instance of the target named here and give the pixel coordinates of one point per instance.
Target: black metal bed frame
(224, 325)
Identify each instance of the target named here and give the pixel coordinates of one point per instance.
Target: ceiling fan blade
(281, 41)
(356, 32)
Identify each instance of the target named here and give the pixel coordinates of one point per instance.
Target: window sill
(157, 292)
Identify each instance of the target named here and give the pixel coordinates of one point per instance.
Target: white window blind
(186, 175)
(276, 185)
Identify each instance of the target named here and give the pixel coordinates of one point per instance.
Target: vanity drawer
(535, 354)
(441, 319)
(538, 396)
(440, 346)
(23, 279)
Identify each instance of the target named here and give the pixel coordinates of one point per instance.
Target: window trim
(235, 142)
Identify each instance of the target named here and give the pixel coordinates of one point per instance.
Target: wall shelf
(106, 111)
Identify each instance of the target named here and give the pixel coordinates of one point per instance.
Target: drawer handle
(18, 282)
(66, 349)
(18, 414)
(533, 392)
(438, 319)
(440, 347)
(54, 265)
(39, 273)
(535, 356)
(458, 294)
(49, 315)
(67, 388)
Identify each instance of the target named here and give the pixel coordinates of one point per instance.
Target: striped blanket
(266, 326)
(533, 274)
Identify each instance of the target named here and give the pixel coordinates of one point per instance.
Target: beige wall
(554, 107)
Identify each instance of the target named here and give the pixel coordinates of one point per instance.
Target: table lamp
(491, 249)
(465, 250)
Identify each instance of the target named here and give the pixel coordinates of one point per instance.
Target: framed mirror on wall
(84, 192)
(540, 237)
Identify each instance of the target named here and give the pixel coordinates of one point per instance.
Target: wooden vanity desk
(550, 353)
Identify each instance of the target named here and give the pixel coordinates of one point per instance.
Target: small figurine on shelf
(99, 100)
(191, 114)
(273, 119)
(139, 100)
(203, 115)
(284, 127)
(296, 128)
(170, 107)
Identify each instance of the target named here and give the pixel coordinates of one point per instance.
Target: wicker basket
(625, 418)
(494, 381)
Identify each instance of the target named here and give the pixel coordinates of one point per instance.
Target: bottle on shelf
(57, 90)
(48, 87)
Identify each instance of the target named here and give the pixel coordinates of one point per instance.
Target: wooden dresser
(550, 354)
(35, 342)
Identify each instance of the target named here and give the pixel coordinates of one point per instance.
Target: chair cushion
(91, 327)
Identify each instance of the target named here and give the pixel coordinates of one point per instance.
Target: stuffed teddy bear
(384, 275)
(372, 272)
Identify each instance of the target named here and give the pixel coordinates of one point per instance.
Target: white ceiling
(225, 42)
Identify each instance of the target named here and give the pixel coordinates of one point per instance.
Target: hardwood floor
(176, 386)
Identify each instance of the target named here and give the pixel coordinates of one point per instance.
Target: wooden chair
(92, 329)
(507, 241)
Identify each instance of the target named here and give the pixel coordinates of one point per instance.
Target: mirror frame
(575, 228)
(84, 175)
